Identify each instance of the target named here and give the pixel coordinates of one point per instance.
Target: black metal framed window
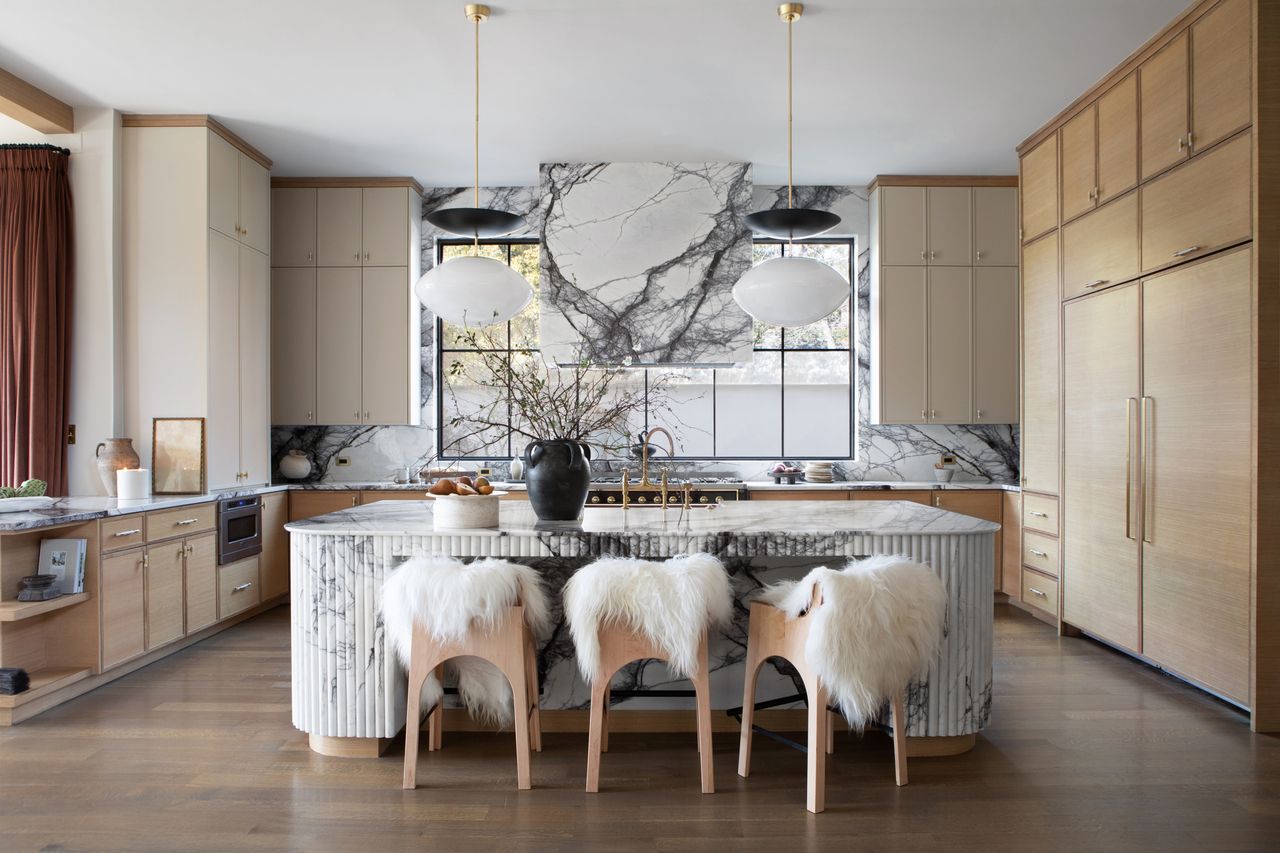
(795, 400)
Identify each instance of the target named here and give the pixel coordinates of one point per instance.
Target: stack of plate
(818, 472)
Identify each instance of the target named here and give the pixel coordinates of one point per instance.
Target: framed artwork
(177, 456)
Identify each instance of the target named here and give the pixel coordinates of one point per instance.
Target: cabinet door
(386, 227)
(950, 226)
(293, 227)
(222, 424)
(121, 578)
(1118, 139)
(310, 503)
(293, 345)
(255, 367)
(1221, 73)
(1200, 206)
(903, 373)
(902, 226)
(255, 205)
(995, 345)
(274, 565)
(385, 349)
(995, 226)
(164, 593)
(1039, 185)
(1100, 576)
(1162, 86)
(338, 222)
(1100, 248)
(202, 582)
(1040, 337)
(1197, 359)
(338, 333)
(950, 345)
(1079, 162)
(224, 186)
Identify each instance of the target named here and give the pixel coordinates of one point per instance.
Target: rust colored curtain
(35, 313)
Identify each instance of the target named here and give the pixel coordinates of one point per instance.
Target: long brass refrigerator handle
(1148, 409)
(1128, 467)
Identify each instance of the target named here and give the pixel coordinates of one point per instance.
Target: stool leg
(819, 720)
(831, 734)
(749, 700)
(435, 719)
(520, 703)
(899, 739)
(531, 671)
(599, 690)
(604, 718)
(413, 717)
(702, 687)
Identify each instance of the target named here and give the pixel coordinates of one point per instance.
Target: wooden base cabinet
(201, 602)
(164, 604)
(123, 589)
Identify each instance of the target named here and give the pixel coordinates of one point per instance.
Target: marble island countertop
(751, 485)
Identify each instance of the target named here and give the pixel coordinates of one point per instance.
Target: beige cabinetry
(1038, 182)
(200, 603)
(1221, 73)
(196, 211)
(238, 587)
(293, 227)
(274, 563)
(944, 328)
(123, 591)
(164, 597)
(1100, 150)
(310, 503)
(1100, 248)
(1164, 101)
(346, 340)
(1040, 340)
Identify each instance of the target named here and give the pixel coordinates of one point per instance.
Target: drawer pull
(1039, 553)
(134, 532)
(184, 522)
(242, 587)
(1034, 591)
(1182, 253)
(1097, 282)
(1037, 513)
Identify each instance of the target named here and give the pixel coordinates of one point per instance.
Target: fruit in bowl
(463, 486)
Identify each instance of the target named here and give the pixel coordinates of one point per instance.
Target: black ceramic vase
(558, 473)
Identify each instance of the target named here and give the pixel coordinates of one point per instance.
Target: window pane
(817, 405)
(690, 411)
(749, 408)
(468, 402)
(615, 440)
(524, 327)
(833, 330)
(766, 337)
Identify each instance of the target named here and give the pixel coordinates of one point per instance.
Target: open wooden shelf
(44, 681)
(13, 611)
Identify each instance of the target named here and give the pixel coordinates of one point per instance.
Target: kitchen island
(349, 692)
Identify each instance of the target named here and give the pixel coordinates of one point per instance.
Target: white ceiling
(383, 87)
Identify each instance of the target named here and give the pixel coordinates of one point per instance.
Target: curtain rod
(38, 146)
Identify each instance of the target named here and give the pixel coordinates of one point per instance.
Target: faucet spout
(646, 438)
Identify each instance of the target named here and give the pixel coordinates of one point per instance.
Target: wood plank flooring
(1087, 750)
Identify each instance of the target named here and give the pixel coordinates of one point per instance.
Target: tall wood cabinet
(196, 300)
(944, 300)
(345, 322)
(1164, 252)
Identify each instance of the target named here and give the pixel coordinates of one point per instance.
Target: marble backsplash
(883, 452)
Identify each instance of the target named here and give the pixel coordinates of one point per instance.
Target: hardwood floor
(1087, 750)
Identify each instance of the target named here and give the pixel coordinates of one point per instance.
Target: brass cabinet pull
(132, 532)
(355, 500)
(924, 256)
(1182, 253)
(1128, 467)
(1190, 140)
(1182, 143)
(979, 255)
(924, 415)
(1148, 412)
(356, 256)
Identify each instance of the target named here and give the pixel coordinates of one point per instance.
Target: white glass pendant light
(470, 290)
(791, 290)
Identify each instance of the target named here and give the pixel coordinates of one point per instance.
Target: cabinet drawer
(1200, 206)
(1040, 513)
(183, 521)
(1040, 591)
(1040, 552)
(124, 532)
(1100, 248)
(238, 587)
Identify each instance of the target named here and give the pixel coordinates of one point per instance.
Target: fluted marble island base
(347, 684)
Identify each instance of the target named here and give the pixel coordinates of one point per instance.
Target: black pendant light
(476, 222)
(791, 223)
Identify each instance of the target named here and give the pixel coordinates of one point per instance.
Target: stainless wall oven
(239, 528)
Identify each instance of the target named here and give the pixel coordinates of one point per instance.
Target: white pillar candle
(133, 484)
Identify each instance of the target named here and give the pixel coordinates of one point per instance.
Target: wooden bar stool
(484, 617)
(622, 610)
(873, 605)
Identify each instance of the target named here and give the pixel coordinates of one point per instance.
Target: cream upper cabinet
(1040, 341)
(950, 360)
(995, 226)
(901, 370)
(1039, 184)
(224, 187)
(1117, 170)
(293, 227)
(1162, 86)
(255, 366)
(338, 354)
(255, 205)
(222, 423)
(1221, 73)
(293, 345)
(384, 349)
(995, 345)
(950, 225)
(1079, 163)
(902, 226)
(385, 226)
(339, 217)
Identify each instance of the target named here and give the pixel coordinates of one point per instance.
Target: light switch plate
(948, 459)
(342, 461)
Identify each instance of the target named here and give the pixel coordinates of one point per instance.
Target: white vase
(295, 465)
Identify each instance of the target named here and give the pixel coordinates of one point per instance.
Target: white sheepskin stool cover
(671, 603)
(878, 628)
(448, 598)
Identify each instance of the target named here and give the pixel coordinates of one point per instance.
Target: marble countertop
(74, 510)
(752, 485)
(800, 519)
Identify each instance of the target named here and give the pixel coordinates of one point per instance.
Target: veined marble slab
(73, 510)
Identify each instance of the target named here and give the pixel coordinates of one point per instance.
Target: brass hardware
(366, 256)
(595, 499)
(71, 434)
(1182, 143)
(702, 499)
(933, 413)
(308, 414)
(146, 560)
(979, 256)
(688, 495)
(979, 413)
(1097, 282)
(1128, 467)
(242, 587)
(310, 256)
(355, 415)
(924, 256)
(1097, 195)
(1039, 553)
(720, 499)
(664, 488)
(937, 500)
(924, 415)
(1182, 253)
(626, 486)
(356, 256)
(1190, 141)
(611, 499)
(476, 12)
(1148, 410)
(366, 415)
(645, 440)
(127, 532)
(355, 500)
(932, 254)
(641, 499)
(790, 12)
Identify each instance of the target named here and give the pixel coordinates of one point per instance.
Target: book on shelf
(64, 558)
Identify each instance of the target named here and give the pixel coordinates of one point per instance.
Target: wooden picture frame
(177, 456)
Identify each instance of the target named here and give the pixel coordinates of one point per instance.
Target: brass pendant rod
(790, 135)
(475, 195)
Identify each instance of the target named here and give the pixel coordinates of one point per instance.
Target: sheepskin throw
(878, 628)
(447, 598)
(670, 603)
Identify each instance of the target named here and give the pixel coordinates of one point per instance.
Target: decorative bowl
(466, 512)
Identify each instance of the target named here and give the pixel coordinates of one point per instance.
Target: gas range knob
(673, 499)
(613, 499)
(595, 499)
(641, 499)
(720, 499)
(704, 499)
